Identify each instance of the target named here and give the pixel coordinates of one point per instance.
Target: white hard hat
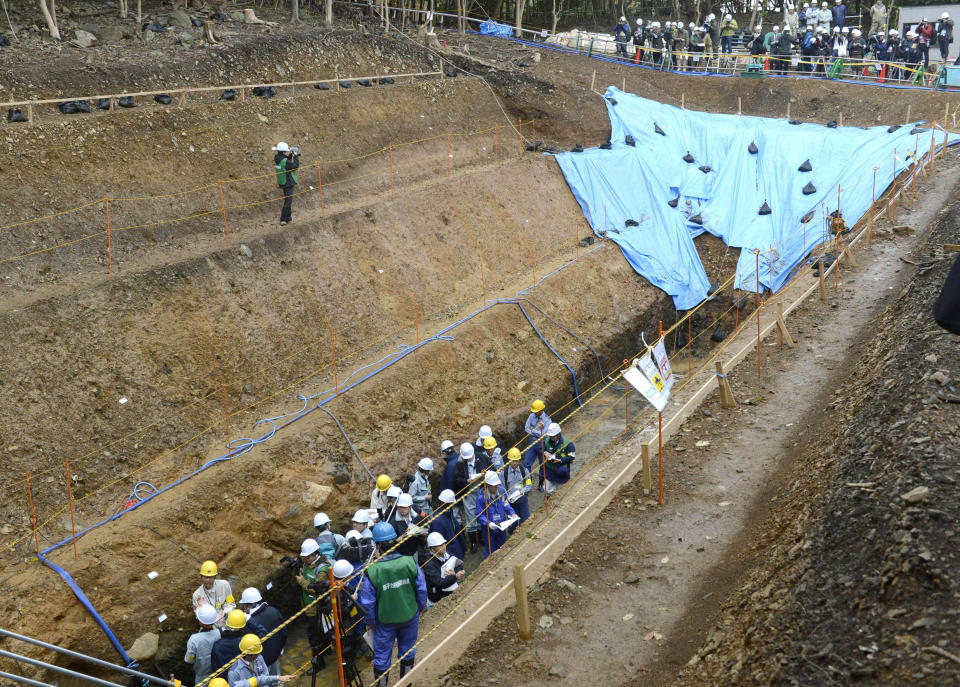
(405, 501)
(309, 547)
(394, 492)
(352, 534)
(447, 496)
(776, 28)
(445, 444)
(321, 519)
(492, 478)
(466, 451)
(207, 614)
(759, 28)
(281, 147)
(910, 33)
(553, 430)
(435, 539)
(856, 32)
(425, 464)
(728, 17)
(845, 29)
(691, 25)
(823, 4)
(639, 22)
(485, 432)
(836, 29)
(820, 29)
(251, 595)
(945, 15)
(711, 16)
(623, 18)
(361, 516)
(342, 569)
(806, 4)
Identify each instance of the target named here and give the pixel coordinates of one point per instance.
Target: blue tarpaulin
(492, 28)
(725, 186)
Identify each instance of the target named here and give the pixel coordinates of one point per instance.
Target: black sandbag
(612, 101)
(658, 130)
(764, 210)
(696, 219)
(364, 82)
(739, 302)
(344, 84)
(630, 141)
(4, 41)
(229, 94)
(155, 27)
(718, 334)
(714, 287)
(196, 22)
(706, 169)
(386, 80)
(68, 107)
(15, 115)
(835, 214)
(218, 16)
(587, 240)
(451, 73)
(103, 104)
(163, 98)
(832, 124)
(917, 130)
(631, 223)
(682, 338)
(809, 216)
(673, 203)
(805, 167)
(577, 149)
(126, 101)
(809, 188)
(795, 122)
(752, 148)
(534, 147)
(606, 146)
(523, 63)
(893, 128)
(264, 91)
(322, 86)
(688, 158)
(946, 311)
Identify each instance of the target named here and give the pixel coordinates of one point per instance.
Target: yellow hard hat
(218, 682)
(237, 619)
(250, 644)
(208, 569)
(513, 454)
(489, 443)
(384, 482)
(537, 406)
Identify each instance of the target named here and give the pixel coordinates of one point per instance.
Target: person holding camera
(286, 161)
(310, 568)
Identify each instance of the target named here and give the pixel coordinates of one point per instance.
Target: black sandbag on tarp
(229, 94)
(806, 166)
(688, 158)
(163, 98)
(103, 104)
(809, 188)
(16, 115)
(630, 141)
(946, 311)
(752, 148)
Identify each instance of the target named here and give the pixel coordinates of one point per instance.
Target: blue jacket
(498, 511)
(368, 593)
(456, 541)
(621, 31)
(270, 618)
(240, 673)
(449, 471)
(839, 14)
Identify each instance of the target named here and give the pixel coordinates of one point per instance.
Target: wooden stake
(682, 101)
(523, 607)
(788, 109)
(30, 113)
(593, 79)
(449, 156)
(756, 252)
(726, 393)
(739, 105)
(33, 515)
(223, 207)
(645, 462)
(624, 89)
(106, 202)
(416, 317)
(782, 333)
(907, 120)
(823, 290)
(73, 522)
(841, 118)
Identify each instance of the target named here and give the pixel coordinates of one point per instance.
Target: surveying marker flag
(663, 362)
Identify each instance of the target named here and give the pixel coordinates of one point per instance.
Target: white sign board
(657, 399)
(663, 363)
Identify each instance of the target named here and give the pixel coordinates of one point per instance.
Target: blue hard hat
(383, 531)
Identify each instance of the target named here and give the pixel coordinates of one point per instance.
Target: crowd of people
(400, 554)
(808, 39)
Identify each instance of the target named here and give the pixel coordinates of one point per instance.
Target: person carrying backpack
(286, 161)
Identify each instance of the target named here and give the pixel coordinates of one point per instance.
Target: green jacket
(728, 28)
(395, 583)
(282, 164)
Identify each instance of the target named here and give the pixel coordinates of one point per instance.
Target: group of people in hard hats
(400, 555)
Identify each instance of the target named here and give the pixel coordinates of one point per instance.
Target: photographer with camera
(392, 595)
(310, 571)
(287, 161)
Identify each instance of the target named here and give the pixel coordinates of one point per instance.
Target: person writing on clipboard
(558, 453)
(442, 571)
(495, 515)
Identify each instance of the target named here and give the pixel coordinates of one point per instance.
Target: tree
(50, 16)
(295, 14)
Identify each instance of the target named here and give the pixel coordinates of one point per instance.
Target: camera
(293, 562)
(295, 150)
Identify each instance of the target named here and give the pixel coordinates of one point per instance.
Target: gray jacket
(240, 673)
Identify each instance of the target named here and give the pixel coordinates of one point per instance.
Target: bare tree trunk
(753, 16)
(51, 21)
(295, 11)
(517, 32)
(460, 21)
(123, 9)
(328, 13)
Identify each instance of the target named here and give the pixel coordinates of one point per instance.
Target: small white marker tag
(153, 574)
(162, 617)
(269, 586)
